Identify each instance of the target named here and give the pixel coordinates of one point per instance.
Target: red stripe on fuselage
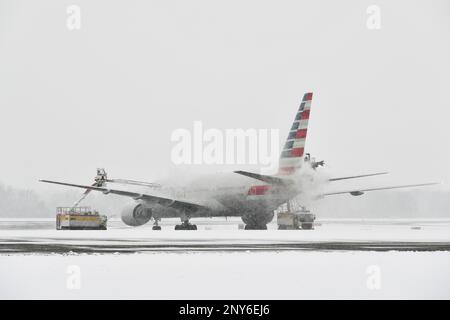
(258, 190)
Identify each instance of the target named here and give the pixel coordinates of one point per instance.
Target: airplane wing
(358, 192)
(166, 202)
(359, 176)
(281, 181)
(284, 181)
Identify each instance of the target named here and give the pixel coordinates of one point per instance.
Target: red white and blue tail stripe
(291, 157)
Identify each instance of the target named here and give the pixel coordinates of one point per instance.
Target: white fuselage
(226, 194)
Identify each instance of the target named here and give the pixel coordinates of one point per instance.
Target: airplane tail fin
(291, 157)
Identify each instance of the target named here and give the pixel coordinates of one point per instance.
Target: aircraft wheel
(307, 226)
(186, 227)
(156, 228)
(253, 227)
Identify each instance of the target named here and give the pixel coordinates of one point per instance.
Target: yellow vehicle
(79, 218)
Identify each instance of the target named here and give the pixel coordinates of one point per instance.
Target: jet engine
(135, 214)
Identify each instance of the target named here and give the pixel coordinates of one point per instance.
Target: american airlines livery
(252, 196)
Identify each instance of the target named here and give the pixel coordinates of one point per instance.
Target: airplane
(252, 196)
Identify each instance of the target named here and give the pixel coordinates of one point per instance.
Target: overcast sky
(110, 94)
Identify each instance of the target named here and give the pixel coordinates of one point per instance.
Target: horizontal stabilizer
(265, 178)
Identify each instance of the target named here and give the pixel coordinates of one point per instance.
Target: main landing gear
(186, 226)
(156, 226)
(255, 227)
(257, 221)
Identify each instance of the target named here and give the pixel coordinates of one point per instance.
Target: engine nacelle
(136, 215)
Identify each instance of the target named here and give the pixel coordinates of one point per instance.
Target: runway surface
(39, 237)
(14, 246)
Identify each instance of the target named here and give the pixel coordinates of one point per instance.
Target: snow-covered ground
(247, 274)
(213, 230)
(238, 275)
